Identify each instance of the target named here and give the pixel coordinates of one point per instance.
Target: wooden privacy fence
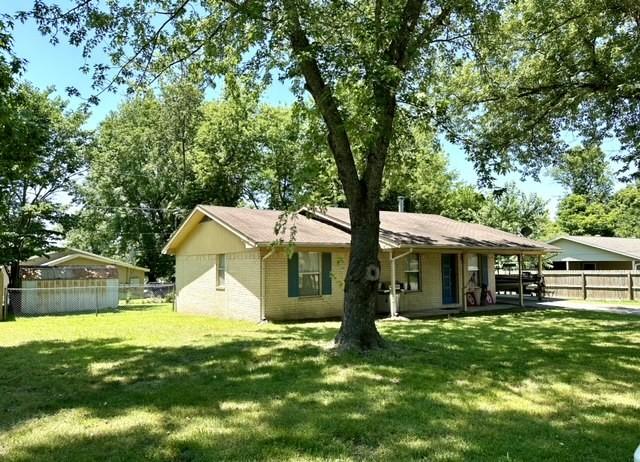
(593, 285)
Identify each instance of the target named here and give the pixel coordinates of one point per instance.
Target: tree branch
(326, 102)
(385, 89)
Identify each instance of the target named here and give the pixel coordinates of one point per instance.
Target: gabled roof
(66, 254)
(331, 227)
(256, 228)
(627, 247)
(401, 229)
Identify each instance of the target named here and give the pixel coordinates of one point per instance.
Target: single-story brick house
(128, 274)
(228, 265)
(592, 253)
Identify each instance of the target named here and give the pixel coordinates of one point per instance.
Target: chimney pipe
(400, 203)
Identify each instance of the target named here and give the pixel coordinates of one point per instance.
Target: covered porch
(430, 282)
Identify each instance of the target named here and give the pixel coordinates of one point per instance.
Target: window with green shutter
(309, 274)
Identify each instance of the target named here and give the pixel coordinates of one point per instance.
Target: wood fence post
(520, 283)
(630, 286)
(584, 286)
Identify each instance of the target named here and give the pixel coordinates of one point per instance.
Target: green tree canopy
(578, 216)
(585, 171)
(545, 69)
(32, 192)
(141, 181)
(626, 206)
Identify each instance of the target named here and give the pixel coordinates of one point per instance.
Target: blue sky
(58, 66)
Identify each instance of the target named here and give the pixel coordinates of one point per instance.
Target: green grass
(149, 384)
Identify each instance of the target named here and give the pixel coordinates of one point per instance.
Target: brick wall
(196, 277)
(279, 306)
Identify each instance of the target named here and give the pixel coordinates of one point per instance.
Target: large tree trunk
(358, 330)
(15, 282)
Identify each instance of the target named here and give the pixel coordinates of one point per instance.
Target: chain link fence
(42, 301)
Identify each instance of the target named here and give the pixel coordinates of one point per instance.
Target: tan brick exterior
(196, 275)
(430, 293)
(196, 289)
(279, 306)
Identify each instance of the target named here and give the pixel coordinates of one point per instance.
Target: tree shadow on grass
(533, 386)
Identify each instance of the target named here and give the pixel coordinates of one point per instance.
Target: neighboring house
(586, 253)
(127, 273)
(227, 264)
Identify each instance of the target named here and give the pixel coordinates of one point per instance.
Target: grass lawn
(149, 384)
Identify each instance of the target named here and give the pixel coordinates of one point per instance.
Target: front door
(449, 279)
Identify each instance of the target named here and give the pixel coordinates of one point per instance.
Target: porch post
(540, 277)
(520, 284)
(392, 288)
(463, 281)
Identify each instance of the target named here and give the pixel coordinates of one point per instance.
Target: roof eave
(98, 258)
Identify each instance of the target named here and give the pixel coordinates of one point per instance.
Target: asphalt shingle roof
(258, 226)
(625, 246)
(396, 229)
(419, 229)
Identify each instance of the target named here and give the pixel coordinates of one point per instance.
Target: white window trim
(319, 273)
(224, 269)
(418, 271)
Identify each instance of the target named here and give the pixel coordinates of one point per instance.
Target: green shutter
(294, 284)
(484, 265)
(326, 273)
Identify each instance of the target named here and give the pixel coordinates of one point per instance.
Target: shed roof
(58, 257)
(627, 247)
(424, 230)
(35, 273)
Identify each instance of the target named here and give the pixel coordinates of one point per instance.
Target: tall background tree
(163, 152)
(585, 171)
(48, 146)
(141, 181)
(368, 65)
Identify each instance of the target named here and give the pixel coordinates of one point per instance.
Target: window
(309, 273)
(412, 273)
(222, 269)
(589, 266)
(473, 267)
